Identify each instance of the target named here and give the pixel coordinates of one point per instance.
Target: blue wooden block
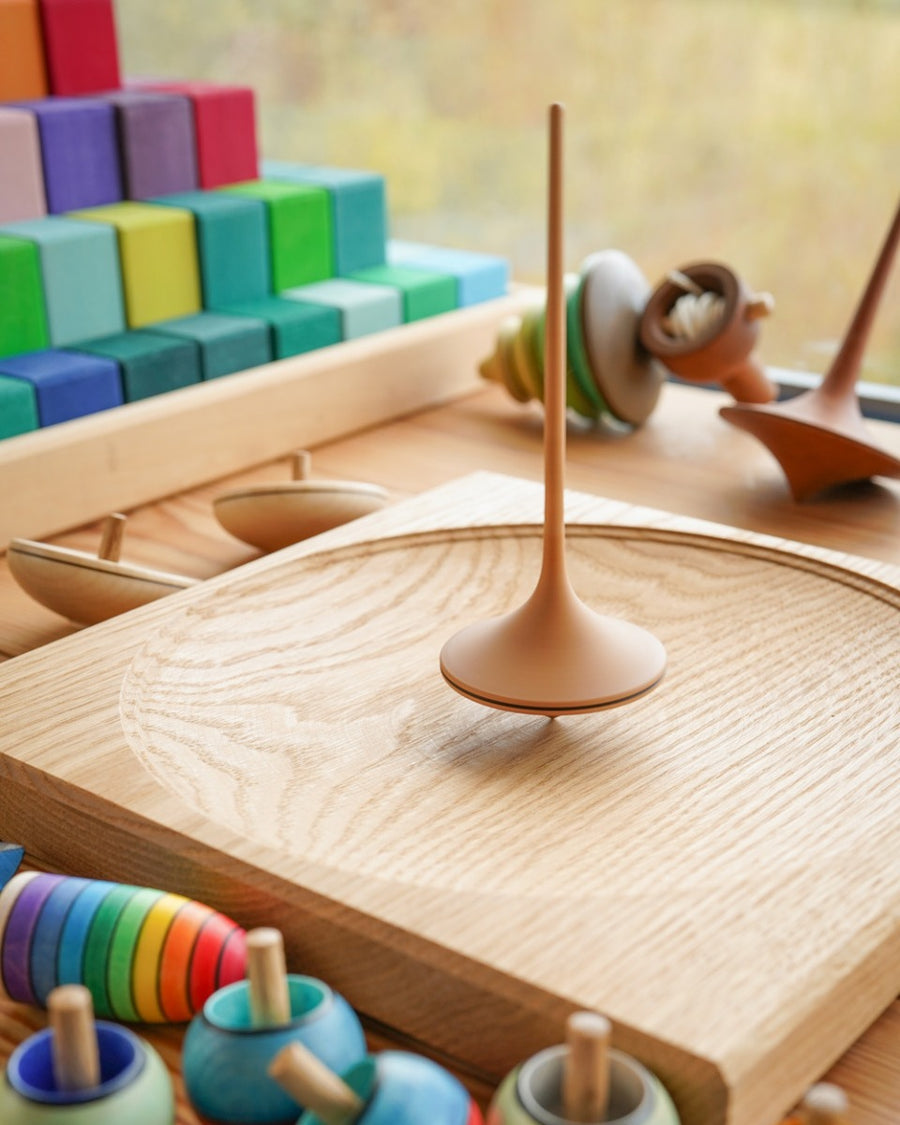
(232, 245)
(82, 276)
(11, 855)
(365, 308)
(358, 209)
(227, 343)
(18, 415)
(67, 384)
(479, 277)
(79, 150)
(295, 326)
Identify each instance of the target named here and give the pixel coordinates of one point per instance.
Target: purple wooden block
(156, 143)
(79, 150)
(67, 384)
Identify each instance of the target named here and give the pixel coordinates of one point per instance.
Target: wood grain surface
(489, 869)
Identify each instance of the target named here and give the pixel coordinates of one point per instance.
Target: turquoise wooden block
(18, 415)
(479, 277)
(295, 326)
(358, 209)
(232, 245)
(81, 275)
(150, 363)
(227, 343)
(424, 294)
(364, 308)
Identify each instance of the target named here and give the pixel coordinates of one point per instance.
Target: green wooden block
(18, 407)
(358, 210)
(424, 294)
(150, 364)
(232, 245)
(23, 320)
(227, 343)
(300, 230)
(295, 326)
(81, 273)
(364, 307)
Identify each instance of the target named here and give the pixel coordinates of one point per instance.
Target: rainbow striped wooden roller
(144, 955)
(608, 373)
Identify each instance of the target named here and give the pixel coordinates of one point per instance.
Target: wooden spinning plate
(716, 867)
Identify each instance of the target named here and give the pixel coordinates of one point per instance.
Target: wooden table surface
(685, 460)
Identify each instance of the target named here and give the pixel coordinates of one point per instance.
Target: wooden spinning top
(715, 342)
(553, 655)
(272, 516)
(819, 438)
(88, 588)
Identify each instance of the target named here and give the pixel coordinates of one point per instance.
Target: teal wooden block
(23, 321)
(81, 276)
(479, 277)
(359, 210)
(18, 408)
(150, 364)
(300, 234)
(424, 294)
(232, 245)
(227, 343)
(364, 307)
(295, 326)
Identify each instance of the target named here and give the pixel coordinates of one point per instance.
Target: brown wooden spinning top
(553, 655)
(819, 438)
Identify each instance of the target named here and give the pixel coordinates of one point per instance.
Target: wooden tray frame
(71, 474)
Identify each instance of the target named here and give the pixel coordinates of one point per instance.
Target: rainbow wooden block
(149, 363)
(300, 233)
(479, 277)
(358, 210)
(364, 307)
(225, 127)
(80, 45)
(227, 343)
(79, 151)
(294, 326)
(81, 279)
(23, 321)
(156, 142)
(18, 413)
(66, 384)
(143, 954)
(21, 170)
(22, 72)
(158, 252)
(424, 294)
(232, 245)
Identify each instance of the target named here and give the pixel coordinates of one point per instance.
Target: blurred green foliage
(763, 133)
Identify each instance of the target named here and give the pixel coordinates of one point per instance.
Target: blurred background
(762, 133)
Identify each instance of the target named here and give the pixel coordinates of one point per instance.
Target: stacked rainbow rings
(145, 955)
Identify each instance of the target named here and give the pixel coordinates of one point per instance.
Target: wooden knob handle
(311, 1084)
(111, 537)
(586, 1073)
(301, 464)
(76, 1057)
(270, 1002)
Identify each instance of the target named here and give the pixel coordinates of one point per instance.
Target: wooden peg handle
(75, 1054)
(270, 1002)
(301, 463)
(586, 1073)
(311, 1084)
(824, 1104)
(759, 305)
(111, 537)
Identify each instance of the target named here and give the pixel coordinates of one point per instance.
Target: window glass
(761, 133)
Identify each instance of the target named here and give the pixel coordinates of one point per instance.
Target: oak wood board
(721, 877)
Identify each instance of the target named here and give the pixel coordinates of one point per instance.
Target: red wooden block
(80, 44)
(225, 126)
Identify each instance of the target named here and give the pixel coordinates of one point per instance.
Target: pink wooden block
(21, 174)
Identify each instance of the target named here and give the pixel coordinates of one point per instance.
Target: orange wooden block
(22, 74)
